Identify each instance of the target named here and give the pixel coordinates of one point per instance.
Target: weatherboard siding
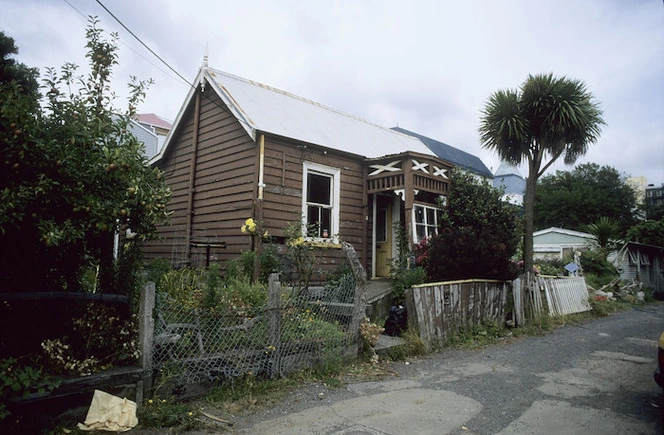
(282, 201)
(223, 183)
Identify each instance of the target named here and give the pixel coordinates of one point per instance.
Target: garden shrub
(479, 234)
(597, 269)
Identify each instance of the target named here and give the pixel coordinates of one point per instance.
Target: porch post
(374, 208)
(409, 198)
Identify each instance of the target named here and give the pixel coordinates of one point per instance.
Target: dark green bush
(595, 263)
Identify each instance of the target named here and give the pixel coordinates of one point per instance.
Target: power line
(122, 42)
(144, 44)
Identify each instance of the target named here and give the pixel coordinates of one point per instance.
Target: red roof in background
(152, 119)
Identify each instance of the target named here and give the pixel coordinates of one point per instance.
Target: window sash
(425, 222)
(320, 205)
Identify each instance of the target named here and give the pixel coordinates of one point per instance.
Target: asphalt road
(593, 378)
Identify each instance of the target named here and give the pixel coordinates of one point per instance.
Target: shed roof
(261, 108)
(562, 231)
(451, 154)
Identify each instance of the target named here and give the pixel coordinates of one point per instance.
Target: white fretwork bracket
(390, 167)
(402, 193)
(417, 166)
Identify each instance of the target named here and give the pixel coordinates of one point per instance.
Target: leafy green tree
(15, 72)
(72, 174)
(548, 117)
(480, 233)
(574, 199)
(650, 232)
(654, 212)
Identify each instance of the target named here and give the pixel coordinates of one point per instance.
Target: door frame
(395, 216)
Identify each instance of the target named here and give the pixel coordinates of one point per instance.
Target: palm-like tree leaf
(546, 118)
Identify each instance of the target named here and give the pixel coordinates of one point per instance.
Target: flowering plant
(252, 228)
(249, 227)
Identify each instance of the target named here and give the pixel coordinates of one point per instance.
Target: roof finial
(205, 56)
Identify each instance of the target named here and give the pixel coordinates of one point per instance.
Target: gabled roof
(507, 169)
(153, 120)
(261, 108)
(451, 154)
(508, 177)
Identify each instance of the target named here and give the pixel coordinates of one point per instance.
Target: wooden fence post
(274, 307)
(146, 335)
(360, 301)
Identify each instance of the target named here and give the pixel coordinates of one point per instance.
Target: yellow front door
(383, 236)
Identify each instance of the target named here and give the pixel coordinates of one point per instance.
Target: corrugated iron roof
(270, 110)
(451, 154)
(152, 119)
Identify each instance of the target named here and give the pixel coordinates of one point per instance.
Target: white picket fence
(565, 295)
(562, 295)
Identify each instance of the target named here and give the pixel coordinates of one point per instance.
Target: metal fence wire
(297, 329)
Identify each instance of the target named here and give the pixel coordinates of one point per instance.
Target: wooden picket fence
(438, 310)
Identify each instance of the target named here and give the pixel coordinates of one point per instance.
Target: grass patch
(479, 335)
(413, 346)
(159, 413)
(604, 308)
(248, 393)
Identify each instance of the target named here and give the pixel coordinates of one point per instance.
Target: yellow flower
(190, 413)
(249, 226)
(296, 242)
(150, 401)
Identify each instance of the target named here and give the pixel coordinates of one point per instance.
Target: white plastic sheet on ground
(110, 413)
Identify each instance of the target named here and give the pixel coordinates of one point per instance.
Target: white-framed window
(425, 222)
(321, 187)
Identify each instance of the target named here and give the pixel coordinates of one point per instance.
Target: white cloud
(427, 65)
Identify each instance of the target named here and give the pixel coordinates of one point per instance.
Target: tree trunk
(529, 212)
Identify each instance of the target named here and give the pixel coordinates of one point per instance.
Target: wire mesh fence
(298, 328)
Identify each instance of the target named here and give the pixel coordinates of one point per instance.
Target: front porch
(408, 189)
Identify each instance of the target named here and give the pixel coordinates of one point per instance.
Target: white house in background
(510, 179)
(147, 137)
(559, 243)
(158, 126)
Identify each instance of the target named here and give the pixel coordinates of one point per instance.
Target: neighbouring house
(641, 262)
(508, 178)
(239, 149)
(146, 136)
(559, 243)
(451, 154)
(158, 127)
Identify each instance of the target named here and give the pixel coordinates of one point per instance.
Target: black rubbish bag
(397, 322)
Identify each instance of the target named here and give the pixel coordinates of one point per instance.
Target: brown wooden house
(239, 149)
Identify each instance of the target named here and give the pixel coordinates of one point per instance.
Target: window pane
(421, 231)
(419, 214)
(313, 221)
(319, 188)
(326, 222)
(431, 216)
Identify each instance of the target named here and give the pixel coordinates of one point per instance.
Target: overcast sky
(427, 66)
